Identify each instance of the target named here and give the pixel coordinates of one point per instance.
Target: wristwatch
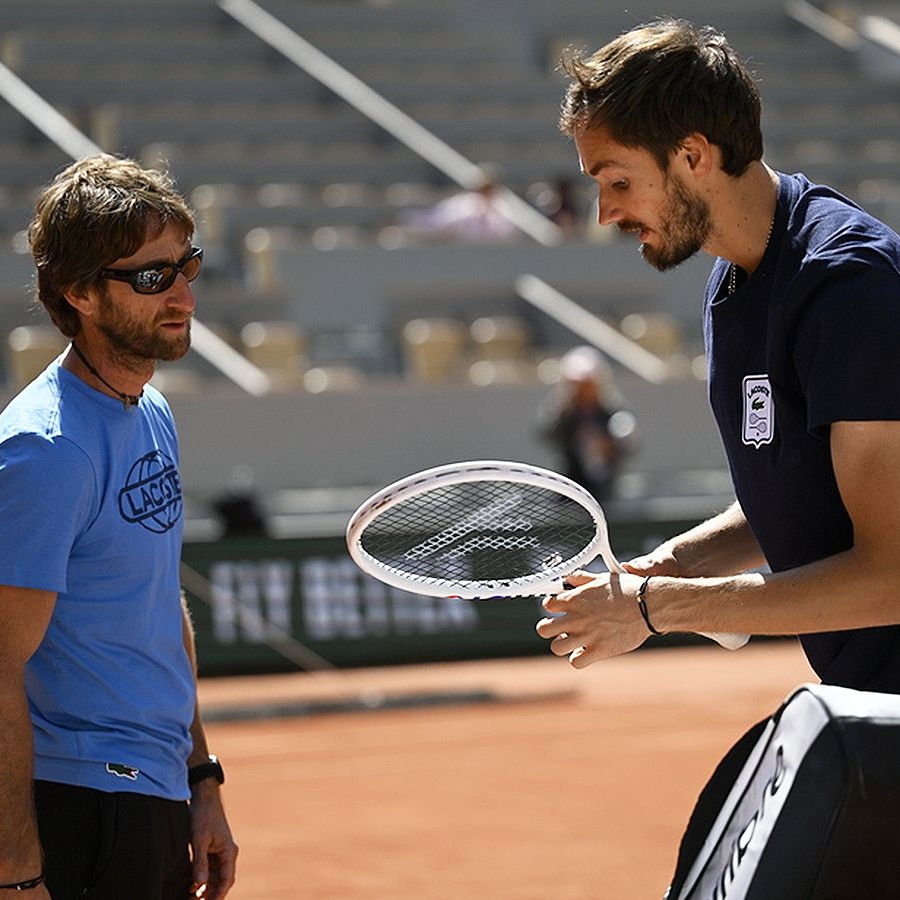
(211, 769)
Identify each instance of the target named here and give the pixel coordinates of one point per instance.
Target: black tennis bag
(805, 806)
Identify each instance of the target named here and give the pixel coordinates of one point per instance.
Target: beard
(138, 342)
(684, 227)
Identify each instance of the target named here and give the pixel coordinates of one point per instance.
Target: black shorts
(109, 846)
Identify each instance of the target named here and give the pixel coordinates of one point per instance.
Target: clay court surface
(514, 779)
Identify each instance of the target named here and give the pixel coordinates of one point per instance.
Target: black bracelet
(642, 605)
(24, 885)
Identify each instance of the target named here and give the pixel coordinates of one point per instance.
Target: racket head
(522, 527)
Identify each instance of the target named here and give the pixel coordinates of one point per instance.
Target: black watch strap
(211, 769)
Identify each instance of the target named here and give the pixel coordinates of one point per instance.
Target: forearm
(212, 845)
(20, 849)
(199, 750)
(722, 545)
(599, 616)
(846, 591)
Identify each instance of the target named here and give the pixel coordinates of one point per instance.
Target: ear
(82, 300)
(696, 156)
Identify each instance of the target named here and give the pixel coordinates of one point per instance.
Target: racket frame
(550, 581)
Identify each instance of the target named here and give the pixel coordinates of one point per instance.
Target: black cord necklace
(127, 399)
(733, 269)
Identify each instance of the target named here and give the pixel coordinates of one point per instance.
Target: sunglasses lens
(191, 268)
(162, 277)
(153, 281)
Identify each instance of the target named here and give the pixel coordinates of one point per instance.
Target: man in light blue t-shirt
(102, 743)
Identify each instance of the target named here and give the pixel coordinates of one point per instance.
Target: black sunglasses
(158, 277)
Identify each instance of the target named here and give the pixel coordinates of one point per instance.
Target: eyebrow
(156, 263)
(598, 167)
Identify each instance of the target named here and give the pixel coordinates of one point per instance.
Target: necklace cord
(732, 270)
(127, 399)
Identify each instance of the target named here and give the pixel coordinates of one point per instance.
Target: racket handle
(728, 641)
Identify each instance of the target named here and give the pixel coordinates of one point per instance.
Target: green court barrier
(270, 605)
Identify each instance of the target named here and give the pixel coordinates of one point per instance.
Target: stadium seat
(274, 194)
(261, 253)
(434, 348)
(339, 237)
(213, 203)
(278, 348)
(409, 194)
(499, 337)
(487, 372)
(657, 332)
(320, 379)
(343, 193)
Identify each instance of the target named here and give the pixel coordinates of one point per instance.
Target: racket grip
(728, 641)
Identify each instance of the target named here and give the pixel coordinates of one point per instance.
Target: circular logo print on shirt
(152, 494)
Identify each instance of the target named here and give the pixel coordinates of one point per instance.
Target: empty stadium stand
(299, 197)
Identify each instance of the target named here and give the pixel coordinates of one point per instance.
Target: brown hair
(97, 210)
(654, 85)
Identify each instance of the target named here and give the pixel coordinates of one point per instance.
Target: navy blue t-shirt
(810, 338)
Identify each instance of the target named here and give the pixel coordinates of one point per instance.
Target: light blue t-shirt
(91, 507)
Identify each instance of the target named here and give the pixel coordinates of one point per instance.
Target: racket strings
(479, 531)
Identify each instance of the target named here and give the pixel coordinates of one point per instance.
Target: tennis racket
(483, 530)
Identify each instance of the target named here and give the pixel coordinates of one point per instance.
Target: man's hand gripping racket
(483, 530)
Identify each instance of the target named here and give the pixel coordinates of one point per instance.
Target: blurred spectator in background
(585, 419)
(556, 200)
(238, 507)
(472, 215)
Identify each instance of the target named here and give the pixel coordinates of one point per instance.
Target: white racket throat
(528, 528)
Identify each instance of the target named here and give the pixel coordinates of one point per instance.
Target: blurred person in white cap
(585, 419)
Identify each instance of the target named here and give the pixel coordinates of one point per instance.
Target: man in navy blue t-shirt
(802, 330)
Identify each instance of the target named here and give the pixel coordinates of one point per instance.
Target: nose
(607, 212)
(181, 294)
